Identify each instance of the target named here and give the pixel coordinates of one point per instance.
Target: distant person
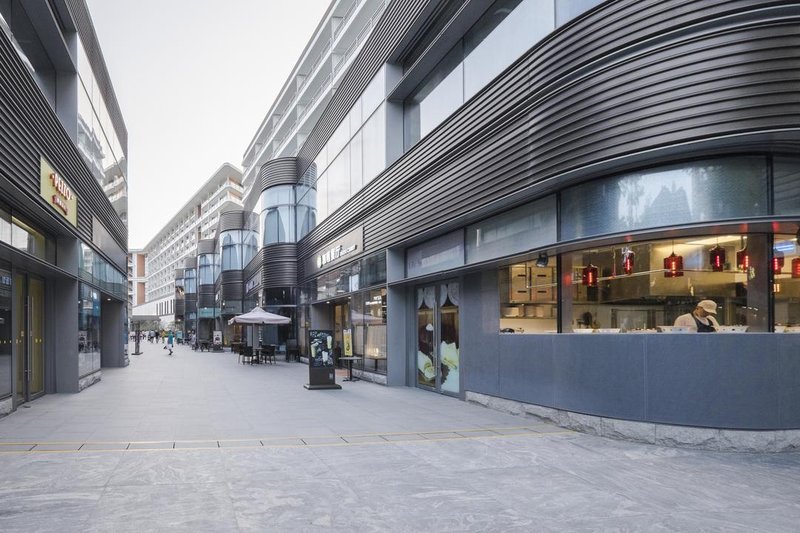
(170, 341)
(702, 317)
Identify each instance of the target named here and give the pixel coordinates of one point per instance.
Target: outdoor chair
(246, 356)
(292, 351)
(268, 354)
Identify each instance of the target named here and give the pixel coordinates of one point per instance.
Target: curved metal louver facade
(280, 265)
(231, 220)
(206, 296)
(206, 246)
(631, 83)
(231, 285)
(281, 171)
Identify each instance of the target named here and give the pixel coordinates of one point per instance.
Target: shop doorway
(438, 361)
(29, 336)
(341, 322)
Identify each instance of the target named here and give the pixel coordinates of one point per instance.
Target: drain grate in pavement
(541, 430)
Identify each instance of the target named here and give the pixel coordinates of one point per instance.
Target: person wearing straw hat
(702, 317)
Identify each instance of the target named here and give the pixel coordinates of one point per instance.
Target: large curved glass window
(230, 243)
(306, 210)
(249, 246)
(277, 215)
(206, 271)
(680, 194)
(190, 281)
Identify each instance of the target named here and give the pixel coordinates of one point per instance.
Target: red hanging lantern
(628, 260)
(777, 263)
(796, 267)
(673, 266)
(589, 276)
(717, 258)
(743, 259)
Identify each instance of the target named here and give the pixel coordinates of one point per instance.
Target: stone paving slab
(382, 459)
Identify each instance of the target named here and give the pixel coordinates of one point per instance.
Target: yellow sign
(58, 193)
(348, 342)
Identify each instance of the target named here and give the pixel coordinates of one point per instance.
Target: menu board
(348, 342)
(321, 348)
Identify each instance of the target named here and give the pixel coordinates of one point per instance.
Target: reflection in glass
(439, 94)
(190, 280)
(89, 348)
(676, 194)
(6, 331)
(506, 31)
(786, 287)
(786, 172)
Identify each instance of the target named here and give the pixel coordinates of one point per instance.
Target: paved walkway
(197, 442)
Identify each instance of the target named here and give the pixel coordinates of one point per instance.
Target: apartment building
(196, 220)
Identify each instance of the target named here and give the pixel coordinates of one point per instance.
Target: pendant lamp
(743, 259)
(589, 276)
(673, 264)
(628, 260)
(777, 262)
(717, 258)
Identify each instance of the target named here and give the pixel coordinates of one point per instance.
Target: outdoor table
(350, 360)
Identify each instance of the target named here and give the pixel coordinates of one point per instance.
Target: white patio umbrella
(259, 316)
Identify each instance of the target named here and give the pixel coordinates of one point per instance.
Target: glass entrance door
(29, 336)
(438, 363)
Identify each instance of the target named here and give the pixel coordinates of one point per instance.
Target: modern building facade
(515, 201)
(195, 221)
(63, 204)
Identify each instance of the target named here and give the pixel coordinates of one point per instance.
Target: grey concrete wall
(64, 330)
(113, 333)
(736, 381)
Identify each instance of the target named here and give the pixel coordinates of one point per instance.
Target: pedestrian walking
(170, 341)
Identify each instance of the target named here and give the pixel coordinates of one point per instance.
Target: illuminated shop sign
(58, 193)
(335, 253)
(346, 247)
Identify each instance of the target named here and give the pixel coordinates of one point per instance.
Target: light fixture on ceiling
(716, 257)
(589, 275)
(628, 258)
(673, 264)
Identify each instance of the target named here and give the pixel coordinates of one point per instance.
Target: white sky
(194, 79)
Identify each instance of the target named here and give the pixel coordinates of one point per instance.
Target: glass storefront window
(368, 319)
(29, 240)
(786, 286)
(529, 297)
(6, 330)
(89, 347)
(602, 294)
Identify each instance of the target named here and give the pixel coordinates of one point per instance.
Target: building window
(89, 347)
(652, 294)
